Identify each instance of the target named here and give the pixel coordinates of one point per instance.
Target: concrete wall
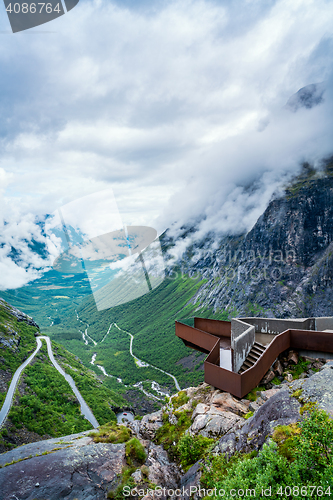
(324, 324)
(242, 340)
(275, 326)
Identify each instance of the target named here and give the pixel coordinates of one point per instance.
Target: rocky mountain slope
(283, 267)
(152, 452)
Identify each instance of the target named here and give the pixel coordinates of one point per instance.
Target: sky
(177, 106)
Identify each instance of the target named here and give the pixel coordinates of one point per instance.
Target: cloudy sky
(176, 105)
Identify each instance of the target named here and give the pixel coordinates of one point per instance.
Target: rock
(214, 423)
(245, 402)
(200, 409)
(173, 419)
(293, 357)
(227, 402)
(280, 409)
(265, 395)
(268, 377)
(161, 471)
(137, 476)
(318, 388)
(277, 367)
(317, 365)
(253, 406)
(288, 377)
(191, 479)
(80, 468)
(150, 424)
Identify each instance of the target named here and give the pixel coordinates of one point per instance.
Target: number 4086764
(304, 491)
(33, 8)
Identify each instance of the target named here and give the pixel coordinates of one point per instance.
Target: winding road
(85, 410)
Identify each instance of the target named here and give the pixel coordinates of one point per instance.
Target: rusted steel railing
(213, 326)
(240, 384)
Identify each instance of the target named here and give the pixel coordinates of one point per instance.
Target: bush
(179, 400)
(135, 451)
(302, 458)
(192, 448)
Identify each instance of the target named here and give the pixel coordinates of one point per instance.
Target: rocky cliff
(283, 266)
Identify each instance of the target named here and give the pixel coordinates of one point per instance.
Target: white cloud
(177, 106)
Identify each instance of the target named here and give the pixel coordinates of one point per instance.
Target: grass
(252, 395)
(111, 433)
(179, 400)
(135, 452)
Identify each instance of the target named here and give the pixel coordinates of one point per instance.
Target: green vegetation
(13, 357)
(179, 400)
(299, 456)
(164, 305)
(191, 448)
(111, 433)
(169, 434)
(248, 415)
(135, 452)
(301, 367)
(48, 407)
(99, 397)
(252, 395)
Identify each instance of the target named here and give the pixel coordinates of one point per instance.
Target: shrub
(169, 434)
(301, 457)
(192, 448)
(135, 451)
(179, 400)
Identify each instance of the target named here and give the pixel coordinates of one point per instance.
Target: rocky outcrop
(19, 315)
(77, 467)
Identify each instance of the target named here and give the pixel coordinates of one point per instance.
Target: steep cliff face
(283, 267)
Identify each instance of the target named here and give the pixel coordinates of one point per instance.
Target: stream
(141, 364)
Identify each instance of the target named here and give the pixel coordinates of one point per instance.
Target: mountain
(283, 266)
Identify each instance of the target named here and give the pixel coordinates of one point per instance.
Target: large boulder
(70, 467)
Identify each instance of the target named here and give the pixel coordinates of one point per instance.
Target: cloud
(176, 105)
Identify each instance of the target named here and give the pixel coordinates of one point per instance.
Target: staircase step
(258, 347)
(253, 358)
(256, 351)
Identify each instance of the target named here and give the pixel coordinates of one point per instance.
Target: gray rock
(150, 424)
(214, 423)
(280, 409)
(80, 469)
(191, 479)
(161, 471)
(318, 388)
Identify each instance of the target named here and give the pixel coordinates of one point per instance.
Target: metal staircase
(253, 356)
